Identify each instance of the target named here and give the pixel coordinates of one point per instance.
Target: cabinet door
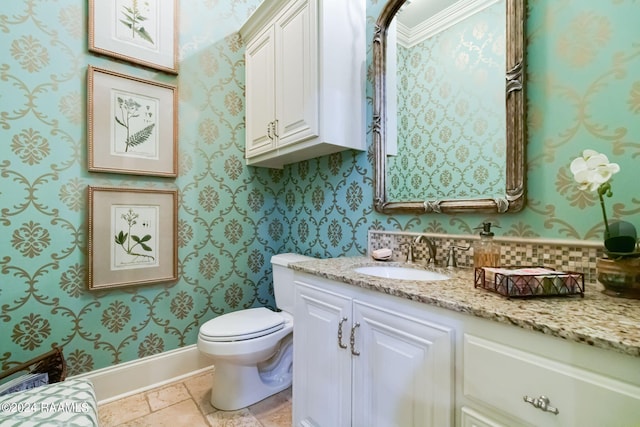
(321, 368)
(297, 74)
(260, 93)
(404, 373)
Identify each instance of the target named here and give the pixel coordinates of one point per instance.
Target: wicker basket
(52, 363)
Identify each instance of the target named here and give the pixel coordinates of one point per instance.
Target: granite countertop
(597, 319)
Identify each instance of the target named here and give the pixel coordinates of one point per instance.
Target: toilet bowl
(252, 349)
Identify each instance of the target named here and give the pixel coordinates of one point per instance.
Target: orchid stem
(604, 214)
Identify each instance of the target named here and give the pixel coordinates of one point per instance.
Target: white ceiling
(414, 12)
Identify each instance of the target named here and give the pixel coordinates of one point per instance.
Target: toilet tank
(283, 288)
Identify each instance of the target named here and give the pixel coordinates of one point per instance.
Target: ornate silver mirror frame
(514, 197)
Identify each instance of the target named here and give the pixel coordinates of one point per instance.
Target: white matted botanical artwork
(140, 31)
(132, 124)
(132, 236)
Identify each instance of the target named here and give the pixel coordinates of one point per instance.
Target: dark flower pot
(620, 277)
(621, 238)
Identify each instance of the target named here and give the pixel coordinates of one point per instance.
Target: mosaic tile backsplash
(562, 256)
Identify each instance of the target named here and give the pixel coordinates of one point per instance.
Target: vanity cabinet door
(321, 366)
(403, 371)
(365, 362)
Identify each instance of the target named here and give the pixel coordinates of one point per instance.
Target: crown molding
(457, 12)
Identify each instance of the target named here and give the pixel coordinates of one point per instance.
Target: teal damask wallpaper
(584, 92)
(451, 112)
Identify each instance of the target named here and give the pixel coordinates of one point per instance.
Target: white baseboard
(125, 379)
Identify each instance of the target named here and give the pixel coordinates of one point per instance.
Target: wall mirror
(449, 106)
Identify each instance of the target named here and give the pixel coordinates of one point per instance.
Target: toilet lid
(242, 325)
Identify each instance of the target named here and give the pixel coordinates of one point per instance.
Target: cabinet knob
(344, 319)
(352, 339)
(275, 128)
(541, 403)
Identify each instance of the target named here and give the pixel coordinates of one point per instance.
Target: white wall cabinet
(360, 363)
(305, 80)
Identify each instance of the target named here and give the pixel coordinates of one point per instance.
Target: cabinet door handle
(352, 340)
(269, 127)
(275, 128)
(541, 403)
(344, 319)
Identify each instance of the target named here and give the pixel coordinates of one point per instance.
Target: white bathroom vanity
(370, 351)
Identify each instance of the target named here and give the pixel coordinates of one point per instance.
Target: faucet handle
(452, 259)
(410, 253)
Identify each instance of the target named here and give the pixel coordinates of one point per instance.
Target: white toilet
(252, 349)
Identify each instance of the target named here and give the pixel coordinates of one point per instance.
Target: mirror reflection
(447, 141)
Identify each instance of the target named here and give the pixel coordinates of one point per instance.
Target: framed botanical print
(132, 124)
(139, 31)
(132, 236)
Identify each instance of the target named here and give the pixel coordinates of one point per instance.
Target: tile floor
(186, 403)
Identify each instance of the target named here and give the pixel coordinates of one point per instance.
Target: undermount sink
(400, 273)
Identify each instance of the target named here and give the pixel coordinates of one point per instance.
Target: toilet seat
(242, 325)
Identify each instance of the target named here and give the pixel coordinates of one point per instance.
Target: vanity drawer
(501, 376)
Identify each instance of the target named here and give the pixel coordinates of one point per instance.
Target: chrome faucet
(452, 260)
(430, 245)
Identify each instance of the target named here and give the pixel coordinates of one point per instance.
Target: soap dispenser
(486, 252)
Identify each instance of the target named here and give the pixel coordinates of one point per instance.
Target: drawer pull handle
(344, 319)
(542, 403)
(352, 339)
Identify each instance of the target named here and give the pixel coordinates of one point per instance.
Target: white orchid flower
(592, 170)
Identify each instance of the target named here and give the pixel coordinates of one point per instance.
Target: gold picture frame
(132, 124)
(132, 236)
(144, 33)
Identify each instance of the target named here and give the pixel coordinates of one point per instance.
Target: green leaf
(129, 25)
(137, 239)
(130, 17)
(121, 238)
(143, 33)
(140, 136)
(145, 247)
(119, 121)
